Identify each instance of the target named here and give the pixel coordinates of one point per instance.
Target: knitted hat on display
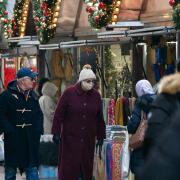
(86, 73)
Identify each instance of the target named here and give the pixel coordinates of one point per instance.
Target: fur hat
(86, 73)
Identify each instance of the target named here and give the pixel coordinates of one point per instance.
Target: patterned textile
(111, 109)
(116, 156)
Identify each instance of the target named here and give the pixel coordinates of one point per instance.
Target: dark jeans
(31, 173)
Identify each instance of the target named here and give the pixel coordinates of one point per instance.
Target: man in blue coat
(21, 120)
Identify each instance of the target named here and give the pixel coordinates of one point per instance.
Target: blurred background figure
(145, 95)
(48, 150)
(48, 104)
(40, 85)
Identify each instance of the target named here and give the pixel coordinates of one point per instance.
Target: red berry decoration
(172, 2)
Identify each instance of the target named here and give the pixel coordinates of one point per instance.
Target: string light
(116, 9)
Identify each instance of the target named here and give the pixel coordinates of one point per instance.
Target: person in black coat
(146, 95)
(162, 109)
(163, 161)
(21, 120)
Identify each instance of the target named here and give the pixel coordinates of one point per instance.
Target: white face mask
(87, 85)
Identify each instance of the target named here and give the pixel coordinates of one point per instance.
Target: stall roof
(73, 20)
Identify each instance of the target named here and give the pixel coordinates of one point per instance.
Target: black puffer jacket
(162, 109)
(163, 134)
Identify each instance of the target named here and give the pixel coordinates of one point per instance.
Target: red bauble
(102, 5)
(14, 27)
(5, 12)
(97, 19)
(5, 21)
(89, 9)
(172, 2)
(13, 21)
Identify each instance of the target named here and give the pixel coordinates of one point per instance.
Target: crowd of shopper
(75, 122)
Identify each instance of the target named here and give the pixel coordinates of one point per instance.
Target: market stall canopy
(73, 19)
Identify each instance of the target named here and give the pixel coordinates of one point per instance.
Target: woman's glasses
(90, 81)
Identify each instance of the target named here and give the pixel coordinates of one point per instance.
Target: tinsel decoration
(176, 12)
(99, 12)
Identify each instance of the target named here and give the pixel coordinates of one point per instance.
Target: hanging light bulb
(118, 3)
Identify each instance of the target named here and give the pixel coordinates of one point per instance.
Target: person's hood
(12, 85)
(170, 84)
(143, 87)
(49, 89)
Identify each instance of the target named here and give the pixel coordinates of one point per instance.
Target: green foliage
(176, 15)
(110, 72)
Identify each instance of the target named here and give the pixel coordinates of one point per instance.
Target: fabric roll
(68, 67)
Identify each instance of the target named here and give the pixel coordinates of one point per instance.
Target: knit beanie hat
(86, 73)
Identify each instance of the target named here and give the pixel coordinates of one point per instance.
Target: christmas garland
(42, 14)
(6, 23)
(99, 12)
(176, 12)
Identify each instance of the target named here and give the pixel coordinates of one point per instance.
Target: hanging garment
(169, 69)
(68, 66)
(171, 55)
(56, 64)
(111, 109)
(151, 55)
(119, 112)
(161, 55)
(105, 103)
(157, 73)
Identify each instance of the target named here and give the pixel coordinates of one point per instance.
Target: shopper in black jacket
(164, 160)
(162, 109)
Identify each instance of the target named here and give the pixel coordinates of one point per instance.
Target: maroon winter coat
(79, 120)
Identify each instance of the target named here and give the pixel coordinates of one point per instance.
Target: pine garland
(99, 12)
(42, 12)
(176, 12)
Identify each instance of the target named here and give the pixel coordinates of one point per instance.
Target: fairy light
(23, 18)
(116, 9)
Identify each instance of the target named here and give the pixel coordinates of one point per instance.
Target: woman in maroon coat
(78, 120)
